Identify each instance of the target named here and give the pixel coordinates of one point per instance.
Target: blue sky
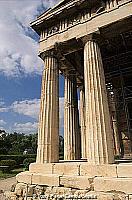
(20, 67)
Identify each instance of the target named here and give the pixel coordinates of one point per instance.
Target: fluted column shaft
(48, 132)
(112, 108)
(71, 120)
(98, 127)
(82, 123)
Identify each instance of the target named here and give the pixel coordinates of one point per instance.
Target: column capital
(49, 53)
(91, 37)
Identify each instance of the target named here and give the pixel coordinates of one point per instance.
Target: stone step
(38, 179)
(24, 177)
(124, 170)
(66, 168)
(49, 179)
(77, 182)
(105, 184)
(83, 169)
(46, 168)
(56, 168)
(108, 170)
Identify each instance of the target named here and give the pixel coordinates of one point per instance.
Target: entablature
(82, 25)
(62, 10)
(66, 36)
(71, 14)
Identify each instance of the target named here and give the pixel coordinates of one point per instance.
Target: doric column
(116, 135)
(82, 122)
(98, 127)
(48, 132)
(71, 120)
(112, 108)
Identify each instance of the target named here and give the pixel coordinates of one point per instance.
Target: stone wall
(36, 192)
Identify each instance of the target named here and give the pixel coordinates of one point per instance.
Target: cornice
(56, 11)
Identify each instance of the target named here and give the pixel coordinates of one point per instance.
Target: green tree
(17, 143)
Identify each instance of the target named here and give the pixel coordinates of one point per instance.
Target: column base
(75, 178)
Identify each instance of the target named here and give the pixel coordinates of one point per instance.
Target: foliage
(16, 143)
(27, 162)
(7, 165)
(10, 174)
(5, 169)
(10, 163)
(18, 158)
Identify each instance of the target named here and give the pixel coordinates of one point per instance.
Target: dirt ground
(5, 185)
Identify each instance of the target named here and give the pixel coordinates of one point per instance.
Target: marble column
(99, 138)
(48, 132)
(82, 123)
(112, 108)
(71, 120)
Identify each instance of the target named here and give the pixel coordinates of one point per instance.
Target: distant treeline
(21, 144)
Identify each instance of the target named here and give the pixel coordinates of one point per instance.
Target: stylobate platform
(80, 176)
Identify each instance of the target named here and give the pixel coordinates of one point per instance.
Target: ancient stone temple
(89, 42)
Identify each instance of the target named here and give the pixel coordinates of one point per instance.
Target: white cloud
(3, 108)
(49, 3)
(2, 122)
(1, 103)
(18, 51)
(31, 108)
(27, 107)
(26, 127)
